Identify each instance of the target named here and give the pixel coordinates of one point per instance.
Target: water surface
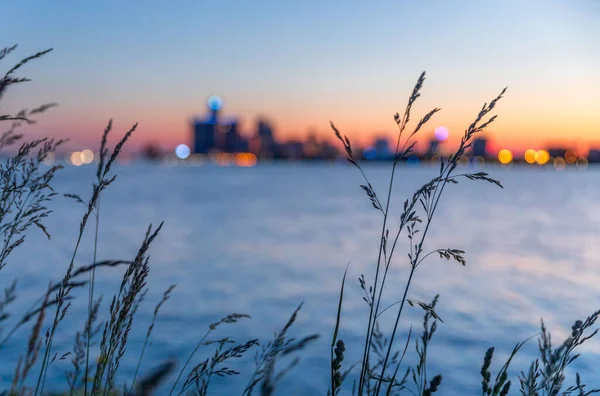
(262, 240)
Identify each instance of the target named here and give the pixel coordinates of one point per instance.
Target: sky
(303, 63)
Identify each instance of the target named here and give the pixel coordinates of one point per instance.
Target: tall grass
(104, 339)
(380, 365)
(25, 188)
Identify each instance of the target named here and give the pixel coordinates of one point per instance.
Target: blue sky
(305, 62)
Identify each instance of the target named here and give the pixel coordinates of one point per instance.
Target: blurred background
(234, 151)
(270, 75)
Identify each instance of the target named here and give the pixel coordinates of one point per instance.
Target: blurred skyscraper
(213, 133)
(556, 152)
(479, 148)
(266, 140)
(294, 150)
(594, 155)
(382, 148)
(229, 136)
(205, 130)
(204, 137)
(434, 148)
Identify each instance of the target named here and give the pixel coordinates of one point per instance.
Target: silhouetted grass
(25, 188)
(416, 219)
(99, 346)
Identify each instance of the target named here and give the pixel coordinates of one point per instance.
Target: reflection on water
(261, 240)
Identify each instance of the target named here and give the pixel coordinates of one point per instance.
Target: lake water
(262, 240)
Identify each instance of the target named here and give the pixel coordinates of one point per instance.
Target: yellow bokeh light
(87, 156)
(571, 157)
(559, 163)
(542, 157)
(76, 158)
(582, 163)
(505, 156)
(530, 156)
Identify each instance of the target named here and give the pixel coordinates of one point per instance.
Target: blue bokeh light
(413, 160)
(215, 103)
(182, 151)
(370, 153)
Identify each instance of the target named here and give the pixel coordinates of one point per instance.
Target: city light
(505, 156)
(542, 157)
(559, 163)
(215, 134)
(245, 159)
(182, 151)
(215, 103)
(370, 153)
(571, 156)
(582, 163)
(87, 156)
(441, 133)
(530, 156)
(413, 160)
(223, 159)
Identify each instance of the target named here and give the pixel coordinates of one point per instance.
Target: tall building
(479, 148)
(216, 133)
(266, 140)
(230, 137)
(311, 145)
(594, 155)
(434, 148)
(204, 137)
(205, 130)
(294, 150)
(382, 148)
(557, 152)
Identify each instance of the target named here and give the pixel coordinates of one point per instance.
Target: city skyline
(303, 65)
(213, 135)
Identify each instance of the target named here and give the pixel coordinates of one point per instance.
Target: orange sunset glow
(347, 72)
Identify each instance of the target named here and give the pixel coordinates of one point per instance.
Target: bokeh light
(223, 159)
(182, 151)
(530, 156)
(245, 159)
(87, 156)
(76, 158)
(571, 157)
(215, 103)
(505, 156)
(559, 163)
(582, 163)
(542, 157)
(370, 153)
(413, 160)
(441, 133)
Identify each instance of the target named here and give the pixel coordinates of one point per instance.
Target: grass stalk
(373, 312)
(150, 328)
(91, 297)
